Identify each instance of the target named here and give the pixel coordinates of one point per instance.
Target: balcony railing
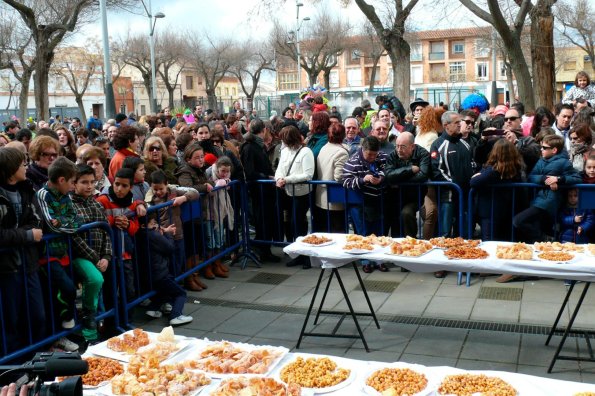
(436, 56)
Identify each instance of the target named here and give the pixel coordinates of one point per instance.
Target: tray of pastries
(410, 247)
(315, 240)
(558, 247)
(255, 386)
(446, 243)
(318, 374)
(466, 253)
(101, 371)
(475, 384)
(515, 251)
(397, 381)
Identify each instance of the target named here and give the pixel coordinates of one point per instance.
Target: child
(19, 229)
(120, 209)
(140, 186)
(160, 249)
(582, 89)
(219, 212)
(161, 193)
(553, 169)
(90, 270)
(589, 171)
(575, 223)
(60, 217)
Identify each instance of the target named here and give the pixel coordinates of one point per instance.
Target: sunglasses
(511, 118)
(154, 148)
(468, 122)
(50, 155)
(545, 148)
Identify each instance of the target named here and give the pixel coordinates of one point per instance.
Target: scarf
(121, 202)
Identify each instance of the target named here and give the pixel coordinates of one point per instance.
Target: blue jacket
(500, 198)
(560, 166)
(568, 228)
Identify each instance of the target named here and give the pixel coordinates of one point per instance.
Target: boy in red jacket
(120, 209)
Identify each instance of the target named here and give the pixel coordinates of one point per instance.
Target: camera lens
(72, 386)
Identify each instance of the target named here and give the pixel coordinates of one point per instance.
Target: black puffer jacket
(17, 234)
(160, 248)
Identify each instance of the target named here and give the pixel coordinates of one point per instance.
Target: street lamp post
(152, 22)
(108, 88)
(298, 26)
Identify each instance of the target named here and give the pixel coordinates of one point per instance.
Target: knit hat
(210, 159)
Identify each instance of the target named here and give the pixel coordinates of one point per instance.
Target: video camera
(46, 366)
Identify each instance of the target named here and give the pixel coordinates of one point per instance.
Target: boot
(223, 267)
(218, 271)
(199, 282)
(191, 285)
(208, 272)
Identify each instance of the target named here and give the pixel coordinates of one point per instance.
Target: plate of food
(556, 257)
(360, 247)
(475, 384)
(161, 346)
(101, 371)
(590, 249)
(410, 247)
(157, 379)
(318, 374)
(465, 253)
(255, 386)
(397, 380)
(514, 251)
(314, 240)
(446, 243)
(222, 359)
(568, 247)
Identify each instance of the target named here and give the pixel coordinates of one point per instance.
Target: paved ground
(423, 320)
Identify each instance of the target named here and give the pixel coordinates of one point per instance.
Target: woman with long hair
(580, 145)
(319, 124)
(494, 209)
(543, 118)
(67, 143)
(157, 157)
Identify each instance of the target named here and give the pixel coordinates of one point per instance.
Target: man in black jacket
(262, 195)
(409, 163)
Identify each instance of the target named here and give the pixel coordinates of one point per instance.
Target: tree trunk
(373, 74)
(327, 80)
(170, 94)
(399, 55)
(542, 55)
(312, 78)
(43, 60)
(24, 94)
(250, 102)
(212, 99)
(521, 72)
(79, 102)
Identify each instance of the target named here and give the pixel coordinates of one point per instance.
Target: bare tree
(133, 50)
(77, 67)
(251, 59)
(392, 37)
(543, 59)
(577, 19)
(211, 60)
(322, 43)
(374, 50)
(171, 51)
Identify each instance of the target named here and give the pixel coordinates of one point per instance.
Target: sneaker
(154, 314)
(180, 320)
(68, 324)
(166, 308)
(66, 345)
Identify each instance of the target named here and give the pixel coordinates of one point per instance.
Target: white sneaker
(66, 345)
(154, 314)
(68, 324)
(166, 308)
(180, 320)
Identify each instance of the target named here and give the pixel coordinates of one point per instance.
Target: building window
(482, 48)
(143, 109)
(458, 48)
(354, 77)
(437, 50)
(417, 75)
(502, 70)
(198, 80)
(481, 71)
(457, 71)
(570, 65)
(226, 91)
(334, 78)
(354, 56)
(288, 81)
(234, 92)
(189, 82)
(416, 52)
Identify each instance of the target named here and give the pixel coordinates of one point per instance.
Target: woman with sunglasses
(580, 145)
(43, 150)
(156, 157)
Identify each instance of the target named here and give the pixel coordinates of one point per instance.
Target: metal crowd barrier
(53, 329)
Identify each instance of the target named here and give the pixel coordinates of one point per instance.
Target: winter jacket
(169, 168)
(500, 199)
(569, 228)
(111, 211)
(90, 211)
(356, 168)
(37, 175)
(588, 93)
(117, 161)
(220, 207)
(254, 158)
(560, 166)
(165, 217)
(329, 166)
(316, 142)
(160, 249)
(452, 160)
(302, 170)
(399, 170)
(15, 230)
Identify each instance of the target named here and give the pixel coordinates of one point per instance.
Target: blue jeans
(364, 226)
(446, 218)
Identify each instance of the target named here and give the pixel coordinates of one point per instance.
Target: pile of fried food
(516, 251)
(475, 384)
(411, 247)
(100, 370)
(555, 256)
(242, 386)
(445, 243)
(397, 381)
(314, 373)
(226, 358)
(558, 247)
(129, 343)
(465, 253)
(314, 239)
(591, 249)
(355, 241)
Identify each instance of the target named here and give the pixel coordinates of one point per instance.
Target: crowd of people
(57, 176)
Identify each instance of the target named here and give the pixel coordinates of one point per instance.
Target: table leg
(555, 325)
(361, 283)
(568, 329)
(310, 308)
(353, 315)
(330, 278)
